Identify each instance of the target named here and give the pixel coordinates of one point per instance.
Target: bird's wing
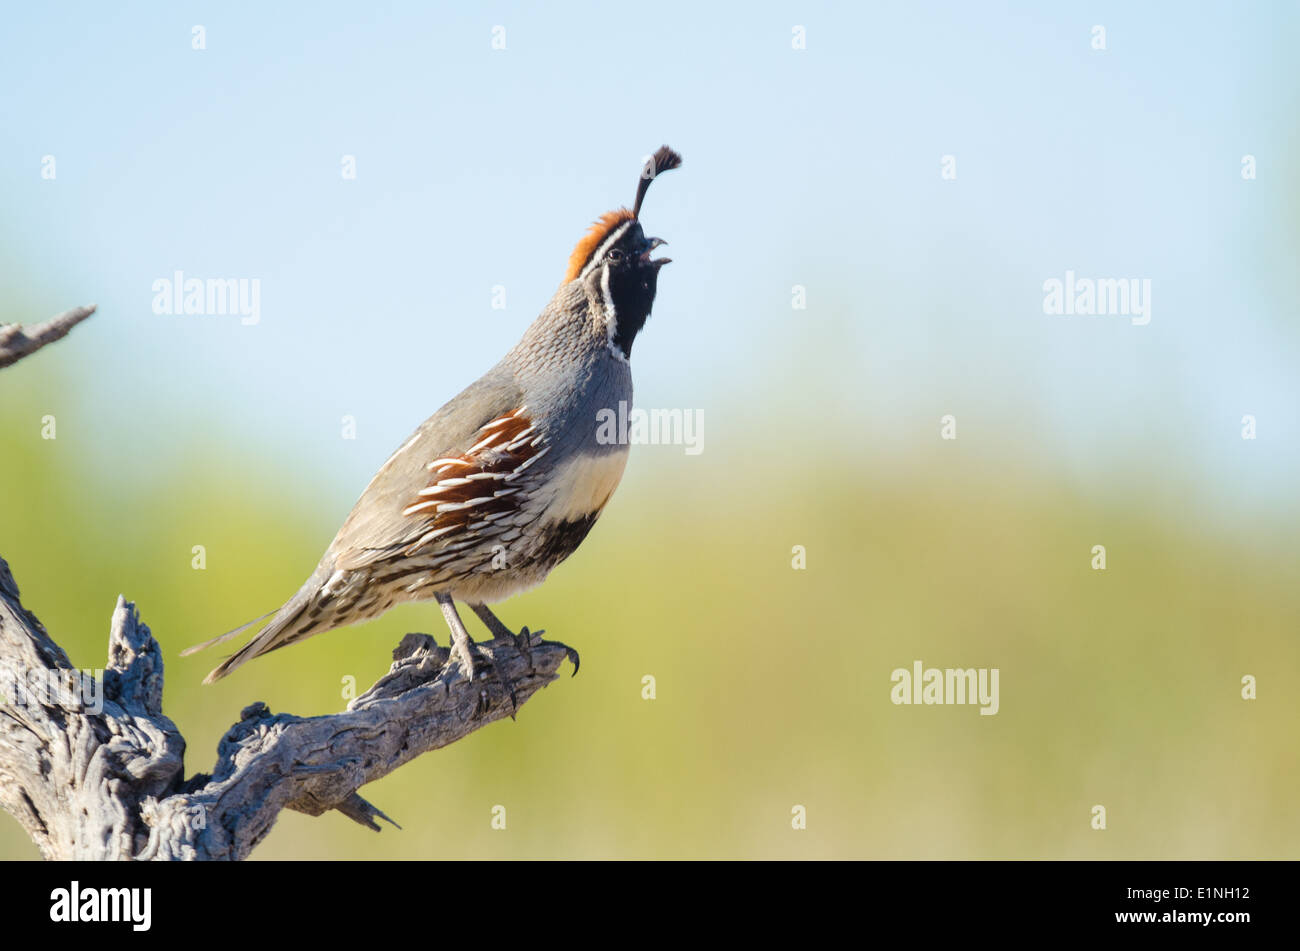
(390, 520)
(432, 483)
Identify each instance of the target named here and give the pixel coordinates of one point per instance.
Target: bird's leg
(492, 622)
(523, 640)
(462, 645)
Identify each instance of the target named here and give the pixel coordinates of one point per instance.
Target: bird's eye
(615, 255)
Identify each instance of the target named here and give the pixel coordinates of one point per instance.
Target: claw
(524, 642)
(506, 683)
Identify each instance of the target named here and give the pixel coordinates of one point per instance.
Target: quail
(504, 482)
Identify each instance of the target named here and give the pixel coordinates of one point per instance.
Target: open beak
(651, 244)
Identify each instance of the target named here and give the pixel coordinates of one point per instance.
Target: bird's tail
(222, 638)
(281, 630)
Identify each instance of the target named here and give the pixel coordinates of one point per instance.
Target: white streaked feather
(445, 462)
(430, 536)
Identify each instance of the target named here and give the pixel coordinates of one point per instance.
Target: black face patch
(632, 285)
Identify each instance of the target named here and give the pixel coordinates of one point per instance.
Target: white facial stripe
(611, 318)
(600, 251)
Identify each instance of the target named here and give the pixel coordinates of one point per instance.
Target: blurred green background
(818, 168)
(1117, 687)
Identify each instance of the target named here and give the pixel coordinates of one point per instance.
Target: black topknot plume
(661, 161)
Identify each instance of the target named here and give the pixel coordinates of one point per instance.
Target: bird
(506, 480)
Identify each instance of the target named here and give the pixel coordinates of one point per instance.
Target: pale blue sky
(818, 167)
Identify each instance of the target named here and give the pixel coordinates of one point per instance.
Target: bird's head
(613, 259)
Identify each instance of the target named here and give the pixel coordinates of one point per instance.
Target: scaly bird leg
(462, 645)
(523, 640)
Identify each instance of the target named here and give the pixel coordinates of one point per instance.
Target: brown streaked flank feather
(471, 491)
(597, 233)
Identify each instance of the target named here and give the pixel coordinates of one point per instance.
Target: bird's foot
(524, 641)
(462, 654)
(506, 683)
(462, 649)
